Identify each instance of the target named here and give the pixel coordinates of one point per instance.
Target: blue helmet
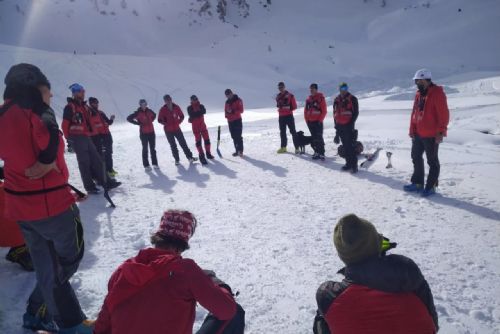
(76, 88)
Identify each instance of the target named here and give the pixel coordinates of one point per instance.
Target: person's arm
(132, 118)
(48, 153)
(424, 293)
(327, 293)
(355, 110)
(202, 109)
(293, 102)
(154, 115)
(442, 113)
(105, 118)
(413, 126)
(67, 117)
(180, 114)
(161, 118)
(239, 106)
(103, 322)
(215, 297)
(323, 109)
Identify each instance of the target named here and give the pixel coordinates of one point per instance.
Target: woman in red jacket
(144, 117)
(428, 125)
(380, 293)
(156, 292)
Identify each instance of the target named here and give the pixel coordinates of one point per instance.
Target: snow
(266, 220)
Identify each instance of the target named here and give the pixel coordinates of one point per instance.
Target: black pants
(287, 121)
(90, 163)
(171, 137)
(430, 147)
(104, 146)
(346, 134)
(236, 130)
(148, 139)
(318, 144)
(212, 325)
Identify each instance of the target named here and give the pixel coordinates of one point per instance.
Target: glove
(336, 140)
(112, 117)
(218, 281)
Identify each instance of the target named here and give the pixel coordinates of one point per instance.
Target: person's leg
(81, 147)
(344, 140)
(321, 141)
(233, 132)
(431, 153)
(144, 143)
(282, 120)
(97, 141)
(107, 140)
(152, 148)
(348, 143)
(97, 164)
(182, 142)
(293, 131)
(212, 325)
(57, 247)
(206, 140)
(239, 135)
(173, 145)
(417, 150)
(197, 139)
(310, 126)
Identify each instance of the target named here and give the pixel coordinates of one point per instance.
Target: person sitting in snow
(379, 294)
(428, 125)
(156, 292)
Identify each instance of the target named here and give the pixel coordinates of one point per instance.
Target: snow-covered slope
(266, 221)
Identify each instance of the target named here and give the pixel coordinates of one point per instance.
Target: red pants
(202, 134)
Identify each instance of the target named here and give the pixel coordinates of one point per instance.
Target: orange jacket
(430, 115)
(315, 109)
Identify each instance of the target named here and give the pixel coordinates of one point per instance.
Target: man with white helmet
(428, 125)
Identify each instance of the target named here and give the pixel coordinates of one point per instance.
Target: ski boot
(210, 156)
(93, 191)
(428, 192)
(297, 151)
(240, 153)
(413, 187)
(41, 321)
(235, 154)
(315, 156)
(20, 255)
(112, 184)
(281, 150)
(177, 162)
(147, 168)
(112, 173)
(321, 157)
(354, 169)
(156, 167)
(203, 160)
(345, 168)
(193, 159)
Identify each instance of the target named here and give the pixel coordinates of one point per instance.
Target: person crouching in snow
(380, 293)
(197, 120)
(156, 292)
(171, 117)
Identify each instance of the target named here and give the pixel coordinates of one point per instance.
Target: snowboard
(370, 158)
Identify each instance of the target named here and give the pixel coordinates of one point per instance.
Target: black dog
(302, 141)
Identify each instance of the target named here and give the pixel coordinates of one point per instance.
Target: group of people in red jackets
(157, 290)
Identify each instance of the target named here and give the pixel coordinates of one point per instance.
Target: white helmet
(423, 74)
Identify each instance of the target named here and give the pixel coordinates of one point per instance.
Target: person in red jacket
(314, 114)
(380, 293)
(345, 114)
(101, 136)
(37, 196)
(428, 125)
(233, 110)
(286, 104)
(171, 117)
(144, 117)
(156, 291)
(77, 129)
(197, 120)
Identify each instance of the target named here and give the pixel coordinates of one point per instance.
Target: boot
(202, 159)
(210, 156)
(20, 255)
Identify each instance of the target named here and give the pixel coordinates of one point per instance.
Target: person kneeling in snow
(157, 291)
(380, 293)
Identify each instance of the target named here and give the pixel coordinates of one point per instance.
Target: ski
(370, 158)
(218, 143)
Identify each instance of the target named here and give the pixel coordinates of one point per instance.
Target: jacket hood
(135, 273)
(391, 273)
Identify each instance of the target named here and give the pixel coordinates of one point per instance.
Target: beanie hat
(167, 97)
(93, 100)
(314, 86)
(26, 75)
(177, 224)
(76, 88)
(356, 239)
(142, 101)
(228, 91)
(281, 84)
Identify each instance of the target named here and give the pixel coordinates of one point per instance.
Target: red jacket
(233, 108)
(430, 115)
(23, 138)
(99, 121)
(10, 233)
(143, 118)
(156, 293)
(315, 108)
(345, 109)
(171, 119)
(76, 119)
(286, 104)
(196, 118)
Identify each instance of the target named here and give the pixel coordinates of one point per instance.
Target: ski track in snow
(266, 222)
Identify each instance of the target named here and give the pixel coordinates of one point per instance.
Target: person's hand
(39, 170)
(112, 117)
(439, 138)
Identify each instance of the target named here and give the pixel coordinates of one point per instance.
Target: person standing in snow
(171, 117)
(77, 129)
(37, 196)
(144, 117)
(286, 104)
(101, 136)
(232, 111)
(380, 293)
(345, 114)
(314, 114)
(195, 112)
(156, 292)
(428, 125)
